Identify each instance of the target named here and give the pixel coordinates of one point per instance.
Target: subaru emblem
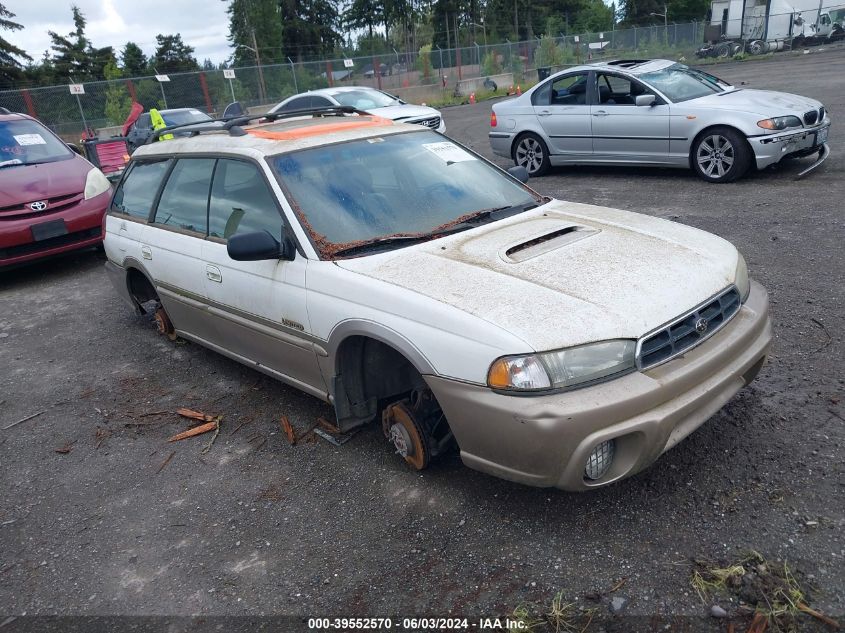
(701, 325)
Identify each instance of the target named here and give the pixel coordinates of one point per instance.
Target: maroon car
(51, 199)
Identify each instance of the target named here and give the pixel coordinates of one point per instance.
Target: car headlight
(779, 123)
(741, 279)
(562, 368)
(95, 184)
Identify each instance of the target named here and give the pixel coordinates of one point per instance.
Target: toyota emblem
(701, 325)
(38, 206)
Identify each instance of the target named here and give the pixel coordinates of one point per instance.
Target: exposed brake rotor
(406, 435)
(164, 325)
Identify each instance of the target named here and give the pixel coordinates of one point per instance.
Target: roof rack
(233, 126)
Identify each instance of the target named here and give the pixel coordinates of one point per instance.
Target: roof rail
(233, 126)
(5, 110)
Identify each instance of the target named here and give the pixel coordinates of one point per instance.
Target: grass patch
(560, 616)
(770, 590)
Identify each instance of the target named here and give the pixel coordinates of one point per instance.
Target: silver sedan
(656, 112)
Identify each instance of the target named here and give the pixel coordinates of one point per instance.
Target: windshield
(378, 189)
(26, 142)
(364, 99)
(181, 117)
(682, 83)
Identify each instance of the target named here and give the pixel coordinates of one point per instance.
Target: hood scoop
(547, 242)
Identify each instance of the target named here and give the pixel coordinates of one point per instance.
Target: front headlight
(779, 123)
(95, 184)
(741, 278)
(562, 368)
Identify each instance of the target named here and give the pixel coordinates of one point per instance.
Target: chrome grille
(688, 330)
(432, 122)
(821, 114)
(810, 117)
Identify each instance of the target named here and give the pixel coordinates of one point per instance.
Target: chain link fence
(427, 75)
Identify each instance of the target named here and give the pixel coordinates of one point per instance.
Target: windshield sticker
(30, 139)
(197, 112)
(448, 152)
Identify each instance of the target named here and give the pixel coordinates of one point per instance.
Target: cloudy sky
(202, 23)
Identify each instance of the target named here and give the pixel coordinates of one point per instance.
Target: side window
(615, 90)
(144, 121)
(570, 90)
(242, 202)
(542, 95)
(296, 104)
(320, 102)
(184, 201)
(137, 192)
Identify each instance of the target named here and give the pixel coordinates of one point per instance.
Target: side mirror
(233, 110)
(520, 173)
(645, 100)
(75, 148)
(257, 246)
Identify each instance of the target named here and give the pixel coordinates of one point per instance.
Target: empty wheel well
(369, 374)
(140, 287)
(709, 130)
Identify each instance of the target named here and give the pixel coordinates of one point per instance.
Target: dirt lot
(255, 526)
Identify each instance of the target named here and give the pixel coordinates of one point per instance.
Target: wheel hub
(401, 440)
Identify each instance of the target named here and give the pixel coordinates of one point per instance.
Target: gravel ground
(109, 526)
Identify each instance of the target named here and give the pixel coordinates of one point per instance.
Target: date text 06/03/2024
(415, 624)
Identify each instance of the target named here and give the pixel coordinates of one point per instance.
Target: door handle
(146, 252)
(543, 113)
(213, 273)
(600, 113)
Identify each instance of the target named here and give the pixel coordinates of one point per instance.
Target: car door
(172, 246)
(563, 112)
(131, 207)
(258, 306)
(624, 131)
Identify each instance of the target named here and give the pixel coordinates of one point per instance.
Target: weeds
(561, 617)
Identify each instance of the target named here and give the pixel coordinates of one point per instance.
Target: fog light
(598, 463)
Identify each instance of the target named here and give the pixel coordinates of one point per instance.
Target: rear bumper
(771, 149)
(84, 229)
(546, 440)
(500, 143)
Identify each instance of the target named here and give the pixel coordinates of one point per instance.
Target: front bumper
(546, 440)
(84, 229)
(773, 148)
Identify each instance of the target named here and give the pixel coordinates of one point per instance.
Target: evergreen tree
(10, 67)
(134, 61)
(72, 53)
(172, 55)
(264, 17)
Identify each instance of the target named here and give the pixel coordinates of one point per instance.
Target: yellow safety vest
(158, 123)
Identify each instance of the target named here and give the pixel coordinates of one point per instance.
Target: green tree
(310, 28)
(263, 18)
(172, 55)
(10, 66)
(72, 52)
(118, 101)
(134, 61)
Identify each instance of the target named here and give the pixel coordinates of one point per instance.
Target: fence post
(329, 74)
(30, 106)
(204, 86)
(458, 61)
(131, 88)
(377, 71)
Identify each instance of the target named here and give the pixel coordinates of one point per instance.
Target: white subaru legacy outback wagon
(407, 281)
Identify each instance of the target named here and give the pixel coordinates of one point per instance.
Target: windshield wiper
(498, 213)
(11, 163)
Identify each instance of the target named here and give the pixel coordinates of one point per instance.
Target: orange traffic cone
(510, 90)
(472, 98)
(518, 90)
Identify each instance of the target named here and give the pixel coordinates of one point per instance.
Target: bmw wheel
(530, 152)
(721, 155)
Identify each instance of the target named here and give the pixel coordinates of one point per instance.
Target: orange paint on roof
(350, 123)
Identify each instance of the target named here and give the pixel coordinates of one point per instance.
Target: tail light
(492, 119)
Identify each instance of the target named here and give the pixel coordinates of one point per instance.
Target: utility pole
(516, 20)
(262, 91)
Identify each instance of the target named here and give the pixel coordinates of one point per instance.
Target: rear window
(184, 200)
(180, 117)
(27, 142)
(136, 193)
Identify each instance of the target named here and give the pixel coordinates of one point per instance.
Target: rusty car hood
(615, 275)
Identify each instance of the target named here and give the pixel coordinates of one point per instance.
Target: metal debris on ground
(338, 439)
(29, 417)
